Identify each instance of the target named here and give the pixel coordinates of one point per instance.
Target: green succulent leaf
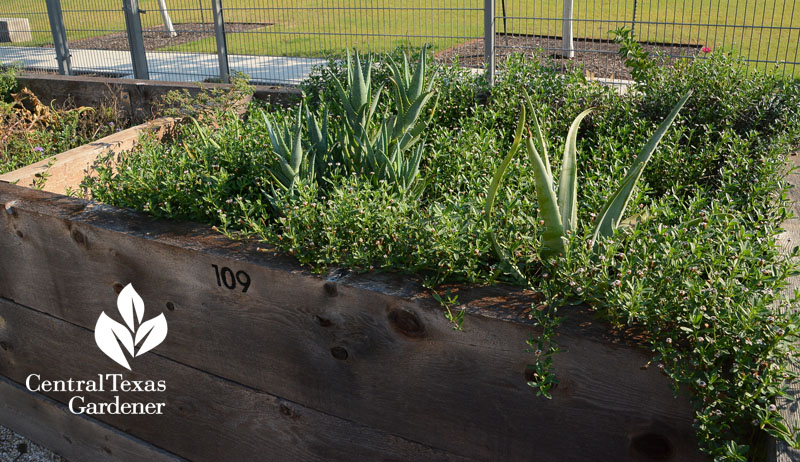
(491, 195)
(612, 212)
(553, 238)
(568, 186)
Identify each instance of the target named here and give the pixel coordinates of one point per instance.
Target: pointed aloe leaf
(432, 80)
(297, 150)
(368, 75)
(614, 208)
(396, 80)
(374, 105)
(553, 236)
(412, 164)
(411, 117)
(501, 254)
(272, 137)
(349, 67)
(287, 170)
(406, 70)
(358, 89)
(296, 140)
(415, 89)
(314, 130)
(501, 171)
(343, 96)
(568, 186)
(541, 144)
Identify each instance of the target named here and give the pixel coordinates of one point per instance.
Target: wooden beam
(206, 418)
(67, 170)
(369, 349)
(788, 240)
(75, 437)
(135, 98)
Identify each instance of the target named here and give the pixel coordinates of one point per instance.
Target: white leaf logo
(110, 334)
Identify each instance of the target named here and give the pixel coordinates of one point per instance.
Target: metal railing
(279, 42)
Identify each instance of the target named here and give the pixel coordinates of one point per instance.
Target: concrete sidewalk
(170, 66)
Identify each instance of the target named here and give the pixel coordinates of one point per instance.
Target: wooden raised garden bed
(266, 361)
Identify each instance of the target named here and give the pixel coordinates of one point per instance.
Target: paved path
(171, 66)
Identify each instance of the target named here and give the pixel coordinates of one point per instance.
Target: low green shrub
(699, 271)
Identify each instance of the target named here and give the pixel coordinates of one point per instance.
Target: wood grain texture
(68, 169)
(789, 239)
(206, 418)
(78, 438)
(134, 98)
(370, 349)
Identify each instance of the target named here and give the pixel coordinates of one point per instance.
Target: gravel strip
(16, 448)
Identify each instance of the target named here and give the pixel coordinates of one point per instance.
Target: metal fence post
(566, 31)
(59, 37)
(133, 25)
(488, 38)
(222, 44)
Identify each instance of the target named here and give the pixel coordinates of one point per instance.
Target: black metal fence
(276, 41)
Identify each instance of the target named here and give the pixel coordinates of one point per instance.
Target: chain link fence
(278, 42)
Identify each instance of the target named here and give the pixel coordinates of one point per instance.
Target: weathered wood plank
(134, 98)
(373, 351)
(68, 169)
(206, 418)
(75, 437)
(788, 240)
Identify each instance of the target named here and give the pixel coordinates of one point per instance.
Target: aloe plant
(358, 100)
(411, 95)
(389, 162)
(559, 209)
(385, 147)
(288, 147)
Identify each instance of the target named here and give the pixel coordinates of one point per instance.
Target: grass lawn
(316, 27)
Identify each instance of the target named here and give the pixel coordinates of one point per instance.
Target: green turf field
(316, 27)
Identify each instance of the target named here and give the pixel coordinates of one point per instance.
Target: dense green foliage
(698, 271)
(31, 131)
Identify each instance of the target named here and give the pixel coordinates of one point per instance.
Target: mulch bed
(156, 37)
(599, 58)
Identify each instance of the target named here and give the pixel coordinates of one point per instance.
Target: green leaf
(568, 186)
(553, 238)
(614, 208)
(501, 171)
(415, 89)
(541, 142)
(501, 254)
(360, 86)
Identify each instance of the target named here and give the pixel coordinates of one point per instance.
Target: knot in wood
(407, 323)
(331, 289)
(339, 353)
(78, 237)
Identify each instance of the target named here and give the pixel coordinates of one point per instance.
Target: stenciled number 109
(226, 277)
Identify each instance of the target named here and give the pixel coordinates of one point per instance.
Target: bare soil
(599, 58)
(156, 37)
